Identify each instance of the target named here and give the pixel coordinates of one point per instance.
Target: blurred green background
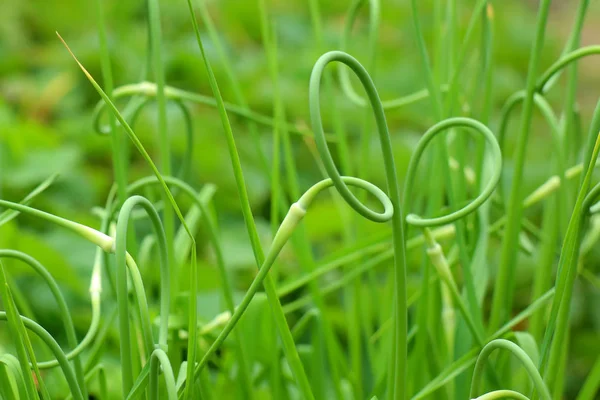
(46, 105)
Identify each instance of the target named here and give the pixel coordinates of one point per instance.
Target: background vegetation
(46, 108)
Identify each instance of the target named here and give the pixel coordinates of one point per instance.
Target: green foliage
(226, 270)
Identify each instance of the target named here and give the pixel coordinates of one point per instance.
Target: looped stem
(398, 367)
(493, 150)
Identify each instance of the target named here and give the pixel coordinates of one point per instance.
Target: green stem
(518, 352)
(122, 259)
(399, 350)
(149, 89)
(503, 296)
(56, 350)
(293, 217)
(159, 359)
(590, 387)
(493, 153)
(284, 331)
(211, 227)
(62, 307)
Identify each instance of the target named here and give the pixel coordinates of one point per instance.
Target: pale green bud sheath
(502, 394)
(439, 261)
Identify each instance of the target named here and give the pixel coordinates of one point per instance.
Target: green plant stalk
(590, 277)
(149, 89)
(286, 229)
(141, 383)
(17, 331)
(193, 267)
(52, 345)
(572, 76)
(7, 387)
(374, 22)
(304, 322)
(426, 307)
(567, 270)
(118, 146)
(351, 276)
(449, 41)
(119, 162)
(573, 40)
(226, 64)
(503, 291)
(592, 383)
(439, 261)
(318, 358)
(494, 156)
(482, 94)
(353, 295)
(157, 65)
(163, 136)
(547, 255)
(444, 232)
(541, 85)
(193, 216)
(269, 40)
(334, 353)
(133, 110)
(159, 359)
(555, 130)
(467, 360)
(399, 349)
(284, 331)
(493, 153)
(96, 349)
(62, 306)
(303, 250)
(100, 371)
(479, 12)
(9, 215)
(439, 112)
(567, 267)
(211, 227)
(122, 292)
(251, 123)
(534, 374)
(108, 245)
(558, 385)
(551, 222)
(21, 301)
(103, 383)
(138, 335)
(302, 247)
(101, 240)
(432, 87)
(107, 226)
